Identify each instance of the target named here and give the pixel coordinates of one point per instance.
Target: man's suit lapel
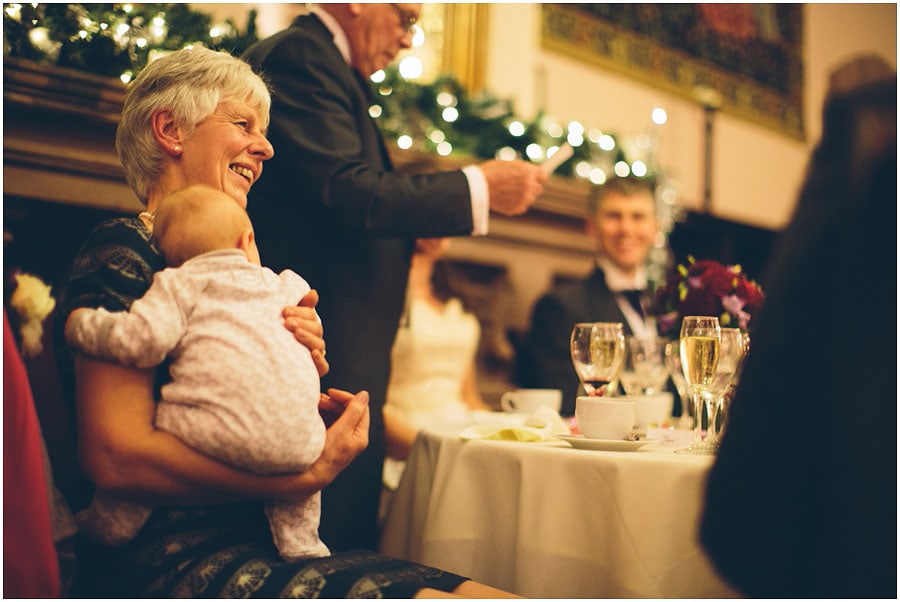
(600, 300)
(364, 96)
(369, 99)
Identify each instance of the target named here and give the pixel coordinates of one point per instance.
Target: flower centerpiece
(31, 303)
(706, 288)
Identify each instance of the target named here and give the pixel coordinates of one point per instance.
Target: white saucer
(582, 442)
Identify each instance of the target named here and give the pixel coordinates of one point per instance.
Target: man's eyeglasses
(407, 19)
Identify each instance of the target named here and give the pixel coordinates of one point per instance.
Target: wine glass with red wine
(598, 353)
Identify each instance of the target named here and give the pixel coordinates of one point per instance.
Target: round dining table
(547, 520)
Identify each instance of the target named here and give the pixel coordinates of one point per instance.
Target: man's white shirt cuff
(478, 191)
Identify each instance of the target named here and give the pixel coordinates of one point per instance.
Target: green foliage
(482, 125)
(110, 39)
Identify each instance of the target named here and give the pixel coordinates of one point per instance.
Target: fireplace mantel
(59, 127)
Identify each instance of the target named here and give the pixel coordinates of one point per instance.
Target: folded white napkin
(542, 425)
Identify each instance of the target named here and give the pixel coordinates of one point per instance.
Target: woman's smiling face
(226, 150)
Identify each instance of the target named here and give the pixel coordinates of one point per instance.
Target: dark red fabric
(30, 568)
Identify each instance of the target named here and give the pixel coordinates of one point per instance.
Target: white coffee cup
(529, 400)
(605, 417)
(652, 410)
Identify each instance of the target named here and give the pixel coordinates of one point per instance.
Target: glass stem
(697, 398)
(724, 408)
(712, 411)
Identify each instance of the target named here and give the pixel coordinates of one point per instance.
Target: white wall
(756, 171)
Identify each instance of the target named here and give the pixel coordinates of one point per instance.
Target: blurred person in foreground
(802, 498)
(623, 225)
(331, 208)
(199, 117)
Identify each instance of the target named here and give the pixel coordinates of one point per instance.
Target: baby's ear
(247, 244)
(245, 240)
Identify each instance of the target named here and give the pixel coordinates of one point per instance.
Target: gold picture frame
(455, 42)
(745, 59)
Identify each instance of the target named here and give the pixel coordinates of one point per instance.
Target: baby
(242, 389)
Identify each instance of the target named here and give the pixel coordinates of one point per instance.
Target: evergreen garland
(483, 126)
(114, 39)
(117, 40)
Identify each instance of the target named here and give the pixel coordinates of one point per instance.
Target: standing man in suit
(623, 224)
(330, 207)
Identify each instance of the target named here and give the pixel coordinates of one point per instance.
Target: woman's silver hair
(190, 83)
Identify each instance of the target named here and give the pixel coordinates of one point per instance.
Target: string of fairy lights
(115, 40)
(439, 116)
(429, 116)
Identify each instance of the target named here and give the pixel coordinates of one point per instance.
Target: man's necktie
(634, 298)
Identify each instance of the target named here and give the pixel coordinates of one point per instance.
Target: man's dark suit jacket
(328, 207)
(543, 359)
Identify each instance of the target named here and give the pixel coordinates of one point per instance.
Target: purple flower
(707, 288)
(667, 321)
(733, 304)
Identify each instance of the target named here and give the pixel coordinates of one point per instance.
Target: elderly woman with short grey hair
(199, 117)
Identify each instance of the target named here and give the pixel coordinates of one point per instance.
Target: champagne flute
(645, 370)
(732, 350)
(598, 352)
(700, 336)
(673, 361)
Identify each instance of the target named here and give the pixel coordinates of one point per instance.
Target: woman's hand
(302, 320)
(347, 418)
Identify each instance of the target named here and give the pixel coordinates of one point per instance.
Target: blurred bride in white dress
(433, 374)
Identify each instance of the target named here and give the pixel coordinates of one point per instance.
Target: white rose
(32, 299)
(33, 303)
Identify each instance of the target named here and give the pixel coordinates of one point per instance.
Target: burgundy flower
(706, 288)
(700, 302)
(715, 276)
(751, 293)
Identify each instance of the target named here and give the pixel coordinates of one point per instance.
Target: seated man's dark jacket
(543, 359)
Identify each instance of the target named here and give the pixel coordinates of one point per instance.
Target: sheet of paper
(562, 154)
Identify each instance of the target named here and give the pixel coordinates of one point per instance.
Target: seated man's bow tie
(634, 297)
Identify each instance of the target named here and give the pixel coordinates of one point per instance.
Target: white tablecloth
(547, 520)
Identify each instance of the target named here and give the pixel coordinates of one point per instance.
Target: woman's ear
(167, 133)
